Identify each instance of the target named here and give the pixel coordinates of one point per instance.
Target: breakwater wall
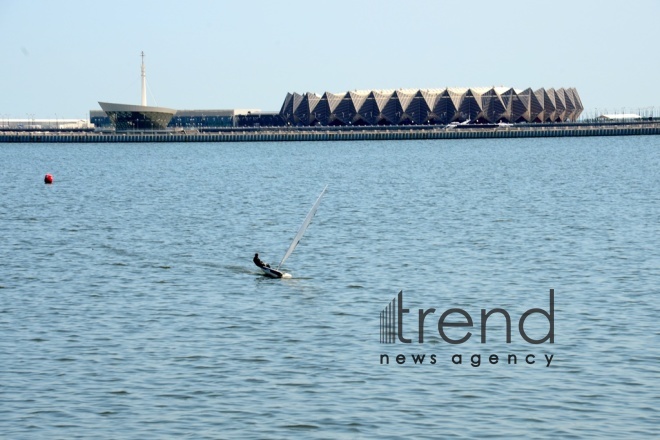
(334, 134)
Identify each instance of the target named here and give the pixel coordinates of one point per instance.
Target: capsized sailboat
(277, 273)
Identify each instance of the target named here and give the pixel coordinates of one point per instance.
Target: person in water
(258, 261)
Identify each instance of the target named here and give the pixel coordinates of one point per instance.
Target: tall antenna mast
(144, 83)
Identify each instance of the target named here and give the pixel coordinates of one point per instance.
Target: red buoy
(48, 179)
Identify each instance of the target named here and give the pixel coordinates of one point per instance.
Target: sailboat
(277, 273)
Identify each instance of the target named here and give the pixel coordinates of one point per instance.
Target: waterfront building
(138, 117)
(620, 117)
(432, 106)
(34, 124)
(476, 105)
(204, 119)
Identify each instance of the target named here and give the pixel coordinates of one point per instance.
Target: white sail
(303, 227)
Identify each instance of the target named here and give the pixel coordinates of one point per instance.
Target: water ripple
(132, 310)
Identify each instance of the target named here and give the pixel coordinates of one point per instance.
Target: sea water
(130, 307)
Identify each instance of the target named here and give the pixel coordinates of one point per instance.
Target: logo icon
(388, 321)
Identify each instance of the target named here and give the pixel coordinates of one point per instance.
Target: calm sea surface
(130, 307)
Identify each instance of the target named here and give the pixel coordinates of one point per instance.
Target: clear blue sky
(60, 57)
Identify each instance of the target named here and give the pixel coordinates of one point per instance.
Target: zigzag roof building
(432, 106)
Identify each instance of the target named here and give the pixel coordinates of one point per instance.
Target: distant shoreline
(290, 134)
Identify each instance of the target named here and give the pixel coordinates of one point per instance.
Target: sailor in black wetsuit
(258, 262)
(273, 273)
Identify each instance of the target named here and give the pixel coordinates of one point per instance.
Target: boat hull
(273, 273)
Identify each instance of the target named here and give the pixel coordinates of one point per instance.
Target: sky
(59, 58)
